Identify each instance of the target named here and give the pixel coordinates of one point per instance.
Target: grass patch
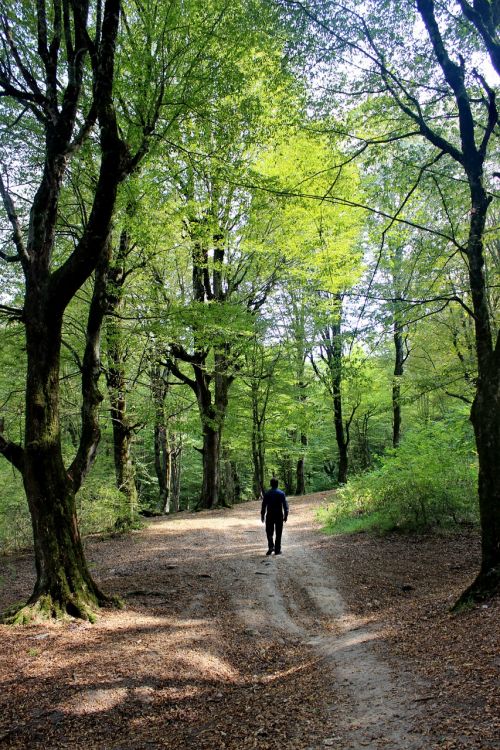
(376, 523)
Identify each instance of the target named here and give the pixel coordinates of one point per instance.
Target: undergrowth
(430, 481)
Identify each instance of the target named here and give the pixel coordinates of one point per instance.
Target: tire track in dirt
(218, 648)
(296, 593)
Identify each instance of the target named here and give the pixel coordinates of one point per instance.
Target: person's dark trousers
(274, 525)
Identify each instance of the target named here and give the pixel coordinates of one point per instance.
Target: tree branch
(13, 452)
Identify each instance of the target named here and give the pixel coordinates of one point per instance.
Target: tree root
(46, 607)
(485, 587)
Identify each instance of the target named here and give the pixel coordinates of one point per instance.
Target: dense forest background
(297, 275)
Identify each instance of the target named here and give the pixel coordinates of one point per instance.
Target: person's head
(274, 483)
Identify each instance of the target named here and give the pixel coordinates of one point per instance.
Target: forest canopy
(240, 240)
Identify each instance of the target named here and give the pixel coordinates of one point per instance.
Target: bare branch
(8, 203)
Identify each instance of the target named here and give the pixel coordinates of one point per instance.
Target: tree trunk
(485, 412)
(342, 445)
(161, 464)
(122, 433)
(213, 413)
(64, 584)
(485, 416)
(175, 476)
(210, 488)
(396, 384)
(117, 384)
(300, 487)
(257, 442)
(335, 364)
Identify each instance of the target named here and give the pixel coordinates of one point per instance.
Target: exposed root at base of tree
(485, 587)
(46, 607)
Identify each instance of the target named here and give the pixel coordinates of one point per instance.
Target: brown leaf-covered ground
(342, 642)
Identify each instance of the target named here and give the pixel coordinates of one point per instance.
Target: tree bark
(64, 584)
(258, 441)
(334, 355)
(485, 412)
(174, 474)
(396, 382)
(300, 486)
(210, 488)
(117, 387)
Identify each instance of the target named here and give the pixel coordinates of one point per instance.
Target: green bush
(100, 506)
(15, 522)
(429, 481)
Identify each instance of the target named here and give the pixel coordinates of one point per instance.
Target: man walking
(275, 511)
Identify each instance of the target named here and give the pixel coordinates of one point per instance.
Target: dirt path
(219, 647)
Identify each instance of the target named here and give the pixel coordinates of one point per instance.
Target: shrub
(100, 506)
(429, 481)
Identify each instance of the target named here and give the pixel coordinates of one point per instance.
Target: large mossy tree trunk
(64, 584)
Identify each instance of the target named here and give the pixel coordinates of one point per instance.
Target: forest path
(219, 647)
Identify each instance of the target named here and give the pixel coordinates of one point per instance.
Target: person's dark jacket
(274, 503)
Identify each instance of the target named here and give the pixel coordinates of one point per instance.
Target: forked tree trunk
(64, 584)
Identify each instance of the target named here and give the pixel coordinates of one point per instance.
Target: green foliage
(100, 505)
(429, 481)
(15, 525)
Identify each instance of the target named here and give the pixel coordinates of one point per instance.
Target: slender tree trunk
(257, 442)
(117, 383)
(342, 445)
(396, 384)
(335, 364)
(300, 487)
(161, 464)
(175, 476)
(399, 356)
(122, 432)
(158, 380)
